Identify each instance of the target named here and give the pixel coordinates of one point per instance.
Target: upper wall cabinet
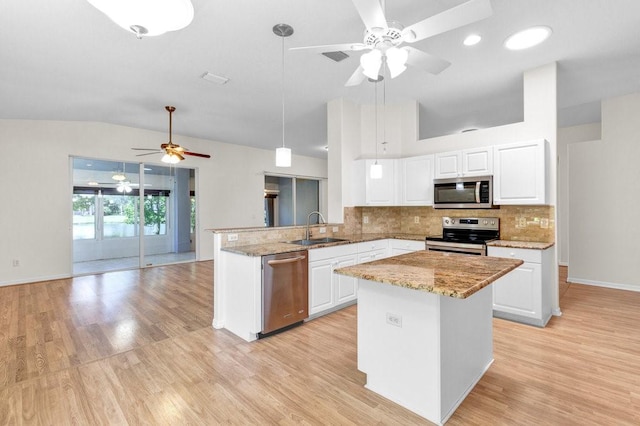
(468, 162)
(520, 176)
(382, 191)
(416, 180)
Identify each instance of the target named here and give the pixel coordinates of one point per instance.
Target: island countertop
(446, 274)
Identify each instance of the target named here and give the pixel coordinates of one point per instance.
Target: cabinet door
(519, 173)
(417, 180)
(519, 292)
(477, 162)
(448, 164)
(321, 291)
(380, 192)
(346, 288)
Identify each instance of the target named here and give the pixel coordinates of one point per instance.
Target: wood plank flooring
(137, 347)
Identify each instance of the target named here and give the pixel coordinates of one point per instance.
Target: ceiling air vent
(336, 56)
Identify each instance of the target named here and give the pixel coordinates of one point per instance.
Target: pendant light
(147, 18)
(283, 154)
(375, 171)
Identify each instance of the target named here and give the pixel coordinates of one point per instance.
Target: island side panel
(466, 346)
(241, 294)
(402, 361)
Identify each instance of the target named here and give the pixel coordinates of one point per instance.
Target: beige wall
(35, 214)
(604, 201)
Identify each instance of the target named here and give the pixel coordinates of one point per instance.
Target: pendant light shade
(396, 61)
(147, 17)
(371, 63)
(375, 172)
(283, 157)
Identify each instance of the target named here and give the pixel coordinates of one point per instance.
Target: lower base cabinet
(524, 295)
(329, 291)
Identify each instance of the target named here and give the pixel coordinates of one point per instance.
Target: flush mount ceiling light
(119, 176)
(472, 40)
(147, 17)
(527, 38)
(283, 154)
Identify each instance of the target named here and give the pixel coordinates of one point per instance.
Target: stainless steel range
(467, 235)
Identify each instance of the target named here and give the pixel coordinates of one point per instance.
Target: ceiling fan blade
(196, 154)
(464, 14)
(146, 149)
(371, 13)
(332, 47)
(356, 78)
(419, 59)
(148, 153)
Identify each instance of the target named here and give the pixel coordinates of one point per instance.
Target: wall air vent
(336, 56)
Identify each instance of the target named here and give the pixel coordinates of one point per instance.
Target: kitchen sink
(316, 241)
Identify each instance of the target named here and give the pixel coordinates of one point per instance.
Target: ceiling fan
(384, 38)
(173, 153)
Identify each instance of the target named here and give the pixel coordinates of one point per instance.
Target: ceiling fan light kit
(384, 39)
(147, 17)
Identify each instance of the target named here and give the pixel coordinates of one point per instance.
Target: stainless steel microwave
(463, 193)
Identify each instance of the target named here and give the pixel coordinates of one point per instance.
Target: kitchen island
(425, 333)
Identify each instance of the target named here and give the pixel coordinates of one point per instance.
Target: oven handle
(478, 192)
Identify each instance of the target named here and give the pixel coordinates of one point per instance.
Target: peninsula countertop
(277, 247)
(446, 274)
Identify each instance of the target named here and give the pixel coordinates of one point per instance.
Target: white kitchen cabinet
(467, 162)
(373, 250)
(519, 173)
(397, 247)
(524, 295)
(381, 192)
(416, 180)
(329, 291)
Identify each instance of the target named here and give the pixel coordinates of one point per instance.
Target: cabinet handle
(289, 260)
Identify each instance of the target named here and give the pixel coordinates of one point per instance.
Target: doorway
(131, 215)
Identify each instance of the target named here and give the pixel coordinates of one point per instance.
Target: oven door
(463, 248)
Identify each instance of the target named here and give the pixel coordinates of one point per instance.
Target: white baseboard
(35, 280)
(617, 286)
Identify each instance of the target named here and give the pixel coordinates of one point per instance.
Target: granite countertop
(275, 247)
(533, 245)
(446, 274)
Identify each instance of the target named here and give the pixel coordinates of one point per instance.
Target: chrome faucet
(307, 234)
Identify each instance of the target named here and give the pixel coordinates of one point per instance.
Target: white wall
(35, 213)
(567, 136)
(604, 200)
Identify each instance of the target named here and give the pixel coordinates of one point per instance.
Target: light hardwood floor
(137, 347)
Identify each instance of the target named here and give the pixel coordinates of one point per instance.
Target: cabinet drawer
(528, 255)
(331, 252)
(373, 245)
(408, 245)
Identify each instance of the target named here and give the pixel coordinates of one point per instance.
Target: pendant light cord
(282, 91)
(376, 101)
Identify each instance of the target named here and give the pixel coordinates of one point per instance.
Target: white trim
(563, 263)
(617, 286)
(33, 280)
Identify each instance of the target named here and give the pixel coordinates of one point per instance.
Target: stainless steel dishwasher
(285, 291)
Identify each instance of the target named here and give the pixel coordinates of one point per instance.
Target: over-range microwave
(463, 193)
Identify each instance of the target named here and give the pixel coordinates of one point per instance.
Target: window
(289, 200)
(84, 216)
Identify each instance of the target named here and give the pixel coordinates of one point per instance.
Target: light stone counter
(446, 274)
(533, 245)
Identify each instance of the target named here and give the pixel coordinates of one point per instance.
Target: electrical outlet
(335, 229)
(521, 222)
(544, 223)
(323, 230)
(416, 219)
(365, 219)
(16, 262)
(232, 237)
(394, 319)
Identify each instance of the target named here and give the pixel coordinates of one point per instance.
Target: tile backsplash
(522, 223)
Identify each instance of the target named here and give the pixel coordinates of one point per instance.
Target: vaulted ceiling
(64, 60)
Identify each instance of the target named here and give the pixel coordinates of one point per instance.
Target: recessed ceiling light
(472, 40)
(527, 38)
